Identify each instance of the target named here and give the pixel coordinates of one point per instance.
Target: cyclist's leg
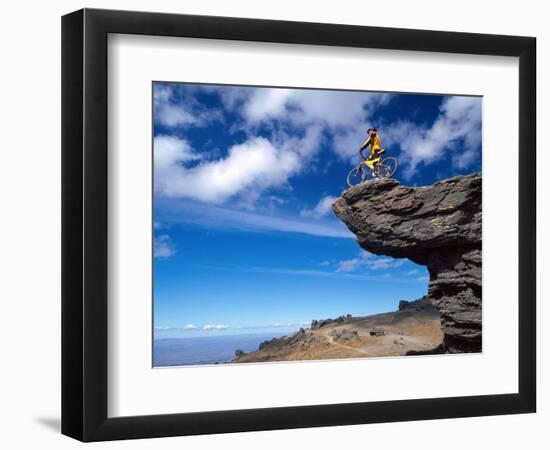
(376, 158)
(370, 162)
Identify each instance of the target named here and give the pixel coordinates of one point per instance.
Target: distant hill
(414, 329)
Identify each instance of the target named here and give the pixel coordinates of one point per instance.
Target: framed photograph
(273, 224)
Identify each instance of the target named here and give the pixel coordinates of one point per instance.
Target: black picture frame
(84, 224)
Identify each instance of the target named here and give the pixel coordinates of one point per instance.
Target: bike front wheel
(356, 176)
(387, 167)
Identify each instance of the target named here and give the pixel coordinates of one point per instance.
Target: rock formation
(438, 226)
(421, 304)
(316, 324)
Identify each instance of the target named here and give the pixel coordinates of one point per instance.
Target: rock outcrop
(316, 324)
(421, 304)
(438, 226)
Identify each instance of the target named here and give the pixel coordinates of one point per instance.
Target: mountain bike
(376, 168)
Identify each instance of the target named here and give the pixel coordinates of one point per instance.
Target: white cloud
(349, 265)
(266, 103)
(412, 272)
(346, 141)
(170, 150)
(320, 273)
(172, 116)
(169, 114)
(184, 112)
(372, 262)
(337, 108)
(305, 106)
(323, 207)
(215, 327)
(190, 326)
(215, 217)
(160, 328)
(304, 323)
(163, 247)
(345, 114)
(459, 122)
(249, 168)
(255, 162)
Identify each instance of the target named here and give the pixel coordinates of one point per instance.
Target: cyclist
(376, 149)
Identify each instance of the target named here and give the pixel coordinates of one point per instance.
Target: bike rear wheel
(387, 167)
(356, 176)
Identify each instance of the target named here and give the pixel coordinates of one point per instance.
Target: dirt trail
(333, 342)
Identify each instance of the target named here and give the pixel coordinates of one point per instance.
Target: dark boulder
(377, 332)
(344, 335)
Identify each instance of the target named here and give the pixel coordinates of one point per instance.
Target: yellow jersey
(374, 142)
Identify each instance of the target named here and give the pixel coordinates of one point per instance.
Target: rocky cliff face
(438, 226)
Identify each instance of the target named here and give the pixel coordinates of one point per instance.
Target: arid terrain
(414, 328)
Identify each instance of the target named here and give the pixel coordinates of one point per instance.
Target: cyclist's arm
(364, 146)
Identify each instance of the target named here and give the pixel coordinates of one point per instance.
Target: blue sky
(245, 239)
